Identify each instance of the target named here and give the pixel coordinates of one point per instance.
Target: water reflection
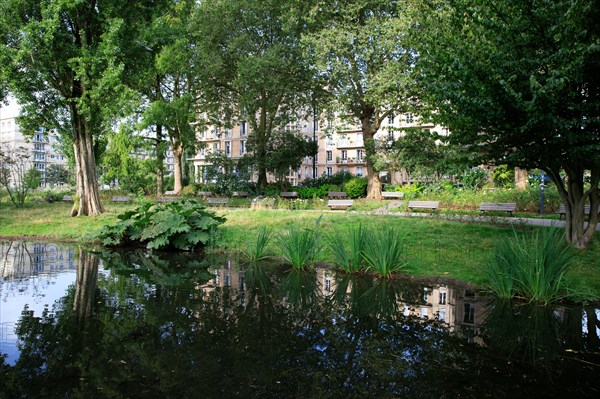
(167, 326)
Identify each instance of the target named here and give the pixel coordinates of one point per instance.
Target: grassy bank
(434, 247)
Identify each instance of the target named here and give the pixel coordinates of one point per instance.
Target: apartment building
(341, 146)
(41, 146)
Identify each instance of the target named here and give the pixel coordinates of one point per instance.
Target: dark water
(138, 325)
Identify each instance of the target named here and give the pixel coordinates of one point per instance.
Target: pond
(146, 325)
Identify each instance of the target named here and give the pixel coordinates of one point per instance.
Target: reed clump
(532, 266)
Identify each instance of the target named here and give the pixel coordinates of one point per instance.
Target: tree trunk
(85, 285)
(368, 132)
(177, 167)
(521, 178)
(160, 159)
(374, 184)
(88, 193)
(574, 198)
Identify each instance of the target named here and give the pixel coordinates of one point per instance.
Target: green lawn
(434, 247)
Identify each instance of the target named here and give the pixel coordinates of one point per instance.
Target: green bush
(503, 176)
(474, 178)
(189, 191)
(356, 187)
(182, 225)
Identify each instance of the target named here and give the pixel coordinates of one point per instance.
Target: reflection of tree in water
(153, 332)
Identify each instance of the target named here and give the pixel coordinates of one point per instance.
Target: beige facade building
(341, 147)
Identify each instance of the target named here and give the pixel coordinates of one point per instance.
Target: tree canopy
(519, 81)
(251, 68)
(64, 61)
(364, 52)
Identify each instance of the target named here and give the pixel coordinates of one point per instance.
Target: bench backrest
(424, 204)
(121, 198)
(218, 200)
(498, 206)
(288, 194)
(240, 194)
(337, 194)
(204, 193)
(392, 194)
(586, 209)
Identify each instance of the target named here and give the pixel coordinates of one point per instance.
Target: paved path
(475, 218)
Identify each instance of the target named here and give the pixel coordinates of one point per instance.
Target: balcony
(350, 161)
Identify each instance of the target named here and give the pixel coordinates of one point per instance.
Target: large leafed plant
(183, 225)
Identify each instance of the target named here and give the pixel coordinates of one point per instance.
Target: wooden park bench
(217, 201)
(121, 198)
(173, 192)
(337, 195)
(391, 194)
(240, 194)
(432, 205)
(339, 204)
(288, 195)
(563, 213)
(67, 198)
(204, 194)
(509, 207)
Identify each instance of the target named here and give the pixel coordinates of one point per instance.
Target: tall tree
(519, 80)
(171, 90)
(252, 68)
(364, 50)
(64, 60)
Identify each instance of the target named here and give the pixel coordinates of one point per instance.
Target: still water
(138, 325)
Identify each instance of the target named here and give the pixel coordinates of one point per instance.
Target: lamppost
(315, 140)
(542, 186)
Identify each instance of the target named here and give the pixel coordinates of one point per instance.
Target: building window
(329, 142)
(345, 169)
(442, 314)
(469, 316)
(391, 119)
(227, 132)
(410, 118)
(424, 312)
(329, 171)
(329, 155)
(242, 147)
(243, 128)
(344, 155)
(359, 155)
(215, 147)
(359, 171)
(442, 299)
(228, 148)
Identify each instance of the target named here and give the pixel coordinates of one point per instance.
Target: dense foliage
(181, 225)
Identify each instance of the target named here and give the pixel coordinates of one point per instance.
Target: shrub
(189, 191)
(503, 176)
(474, 178)
(356, 187)
(183, 225)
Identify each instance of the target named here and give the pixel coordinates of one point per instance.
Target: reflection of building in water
(471, 312)
(457, 306)
(438, 302)
(22, 259)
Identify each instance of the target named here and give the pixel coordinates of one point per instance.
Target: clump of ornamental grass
(301, 247)
(347, 249)
(532, 266)
(259, 249)
(383, 251)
